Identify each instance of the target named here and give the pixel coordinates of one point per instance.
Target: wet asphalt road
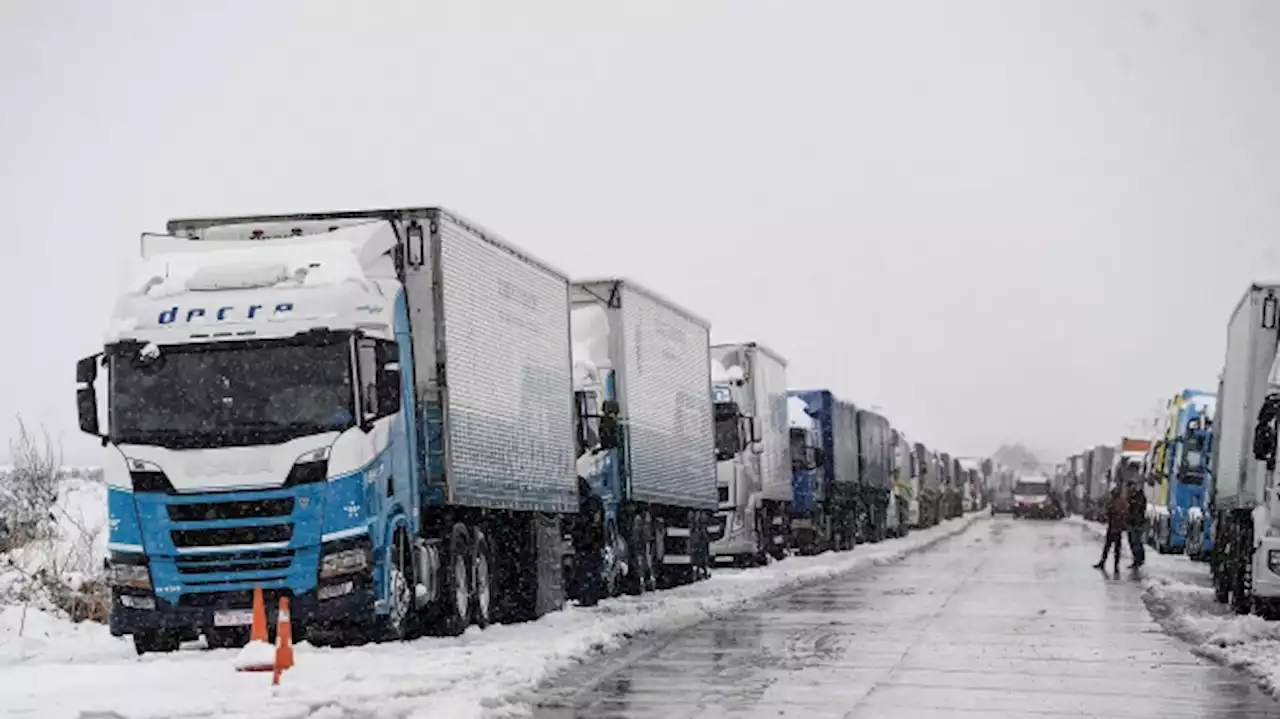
(1004, 620)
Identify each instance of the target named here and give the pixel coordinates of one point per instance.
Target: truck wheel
(455, 595)
(399, 593)
(482, 580)
(155, 642)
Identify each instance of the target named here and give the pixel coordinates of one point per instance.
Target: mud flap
(550, 549)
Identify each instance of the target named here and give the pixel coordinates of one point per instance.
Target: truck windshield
(728, 440)
(1035, 489)
(231, 394)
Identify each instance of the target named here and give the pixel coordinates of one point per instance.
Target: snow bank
(482, 673)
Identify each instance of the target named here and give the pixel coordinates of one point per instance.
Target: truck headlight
(136, 576)
(1273, 560)
(347, 561)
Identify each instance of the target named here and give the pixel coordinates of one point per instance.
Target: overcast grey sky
(997, 220)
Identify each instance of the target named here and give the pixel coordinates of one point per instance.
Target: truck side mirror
(87, 369)
(87, 395)
(87, 407)
(389, 389)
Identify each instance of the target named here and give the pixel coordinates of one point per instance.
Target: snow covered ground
(1179, 594)
(61, 670)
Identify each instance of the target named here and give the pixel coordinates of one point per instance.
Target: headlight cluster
(136, 576)
(347, 561)
(1273, 560)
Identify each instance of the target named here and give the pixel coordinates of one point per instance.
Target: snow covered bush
(28, 491)
(52, 532)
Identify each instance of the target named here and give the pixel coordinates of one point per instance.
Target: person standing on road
(1137, 516)
(1117, 514)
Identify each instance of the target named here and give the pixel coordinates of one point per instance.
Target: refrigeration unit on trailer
(1246, 504)
(753, 453)
(370, 412)
(824, 509)
(646, 459)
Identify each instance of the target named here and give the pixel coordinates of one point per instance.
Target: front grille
(238, 599)
(207, 511)
(235, 562)
(222, 536)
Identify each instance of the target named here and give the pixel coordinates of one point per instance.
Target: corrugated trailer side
(844, 427)
(1251, 350)
(771, 412)
(508, 394)
(665, 382)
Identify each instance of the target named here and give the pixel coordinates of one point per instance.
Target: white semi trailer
(753, 462)
(1244, 503)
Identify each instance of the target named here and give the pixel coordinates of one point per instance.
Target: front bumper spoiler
(305, 609)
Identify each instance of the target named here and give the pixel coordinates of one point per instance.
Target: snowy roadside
(1179, 595)
(471, 676)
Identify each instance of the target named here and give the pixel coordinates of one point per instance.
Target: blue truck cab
(1187, 451)
(824, 513)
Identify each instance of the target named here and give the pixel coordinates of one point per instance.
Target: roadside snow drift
(80, 668)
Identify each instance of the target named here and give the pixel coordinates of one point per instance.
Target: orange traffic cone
(284, 641)
(256, 655)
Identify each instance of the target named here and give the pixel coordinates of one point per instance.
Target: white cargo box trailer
(1251, 352)
(660, 356)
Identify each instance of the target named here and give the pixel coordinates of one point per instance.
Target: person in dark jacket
(1117, 513)
(1137, 516)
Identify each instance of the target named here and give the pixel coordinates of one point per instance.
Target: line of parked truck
(407, 424)
(1209, 475)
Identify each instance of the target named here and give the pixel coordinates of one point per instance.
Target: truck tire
(482, 574)
(155, 642)
(454, 611)
(396, 625)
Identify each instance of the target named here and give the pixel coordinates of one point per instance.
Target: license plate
(233, 618)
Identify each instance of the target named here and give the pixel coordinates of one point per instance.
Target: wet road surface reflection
(1005, 620)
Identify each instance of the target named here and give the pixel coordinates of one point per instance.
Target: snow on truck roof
(585, 284)
(750, 344)
(200, 227)
(307, 261)
(798, 413)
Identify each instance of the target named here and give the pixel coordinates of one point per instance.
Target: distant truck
(906, 483)
(753, 457)
(645, 441)
(369, 412)
(1099, 480)
(931, 490)
(1245, 505)
(877, 505)
(824, 508)
(1183, 456)
(1033, 497)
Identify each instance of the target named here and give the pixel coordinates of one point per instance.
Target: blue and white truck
(1186, 454)
(753, 454)
(646, 442)
(370, 412)
(825, 507)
